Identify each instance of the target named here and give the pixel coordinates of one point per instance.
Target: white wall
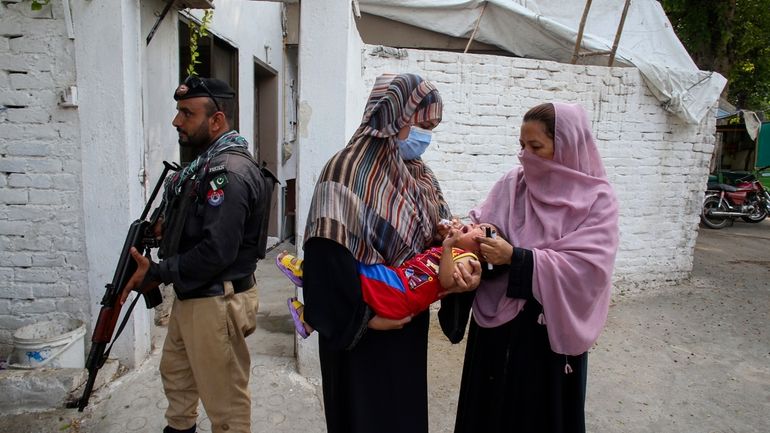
(250, 26)
(109, 78)
(70, 178)
(246, 25)
(83, 162)
(42, 261)
(657, 163)
(328, 87)
(358, 90)
(255, 29)
(290, 110)
(160, 66)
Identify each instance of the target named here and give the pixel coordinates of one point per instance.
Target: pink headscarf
(565, 211)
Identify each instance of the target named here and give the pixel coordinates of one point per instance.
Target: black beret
(196, 87)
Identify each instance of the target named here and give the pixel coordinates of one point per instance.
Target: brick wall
(42, 258)
(657, 163)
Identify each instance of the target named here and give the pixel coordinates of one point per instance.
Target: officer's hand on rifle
(137, 281)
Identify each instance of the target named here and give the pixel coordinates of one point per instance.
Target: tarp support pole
(478, 21)
(580, 32)
(620, 30)
(594, 53)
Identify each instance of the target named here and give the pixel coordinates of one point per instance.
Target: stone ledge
(46, 388)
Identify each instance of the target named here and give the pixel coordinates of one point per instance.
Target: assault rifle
(141, 236)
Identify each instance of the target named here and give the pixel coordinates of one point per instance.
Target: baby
(399, 292)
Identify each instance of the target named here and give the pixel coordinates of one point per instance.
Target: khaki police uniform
(219, 238)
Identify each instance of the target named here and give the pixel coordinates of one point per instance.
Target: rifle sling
(120, 329)
(174, 225)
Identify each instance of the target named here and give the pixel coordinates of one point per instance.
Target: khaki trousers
(205, 356)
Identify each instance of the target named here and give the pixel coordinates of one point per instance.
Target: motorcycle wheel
(760, 213)
(714, 222)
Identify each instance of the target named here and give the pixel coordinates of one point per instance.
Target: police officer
(213, 233)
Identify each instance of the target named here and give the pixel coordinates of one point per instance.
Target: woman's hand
(496, 250)
(380, 323)
(467, 277)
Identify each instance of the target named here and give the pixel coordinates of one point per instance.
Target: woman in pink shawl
(542, 306)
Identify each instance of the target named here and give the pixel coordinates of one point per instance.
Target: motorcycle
(748, 199)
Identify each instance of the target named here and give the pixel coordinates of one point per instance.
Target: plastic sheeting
(547, 30)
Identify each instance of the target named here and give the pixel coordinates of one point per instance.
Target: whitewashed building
(656, 160)
(86, 107)
(75, 170)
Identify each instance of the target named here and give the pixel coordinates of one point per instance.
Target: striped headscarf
(381, 208)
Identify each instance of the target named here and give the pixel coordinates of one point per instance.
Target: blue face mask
(415, 144)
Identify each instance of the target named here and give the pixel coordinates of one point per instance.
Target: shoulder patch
(217, 169)
(218, 182)
(215, 197)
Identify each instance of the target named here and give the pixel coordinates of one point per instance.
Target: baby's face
(467, 240)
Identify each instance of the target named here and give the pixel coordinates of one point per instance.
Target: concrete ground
(694, 357)
(282, 400)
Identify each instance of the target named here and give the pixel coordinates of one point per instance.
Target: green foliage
(38, 4)
(197, 31)
(731, 37)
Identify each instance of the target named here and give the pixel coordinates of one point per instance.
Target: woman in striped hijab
(372, 206)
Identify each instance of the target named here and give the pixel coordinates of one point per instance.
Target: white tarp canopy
(548, 29)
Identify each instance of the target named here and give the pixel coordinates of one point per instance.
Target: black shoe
(169, 429)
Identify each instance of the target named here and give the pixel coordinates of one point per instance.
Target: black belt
(218, 289)
(243, 284)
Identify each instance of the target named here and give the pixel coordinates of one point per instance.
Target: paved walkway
(690, 358)
(282, 400)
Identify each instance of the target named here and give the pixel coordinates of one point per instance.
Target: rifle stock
(139, 236)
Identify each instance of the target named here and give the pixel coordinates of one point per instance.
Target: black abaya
(512, 381)
(373, 381)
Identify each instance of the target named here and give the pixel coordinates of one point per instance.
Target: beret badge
(181, 90)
